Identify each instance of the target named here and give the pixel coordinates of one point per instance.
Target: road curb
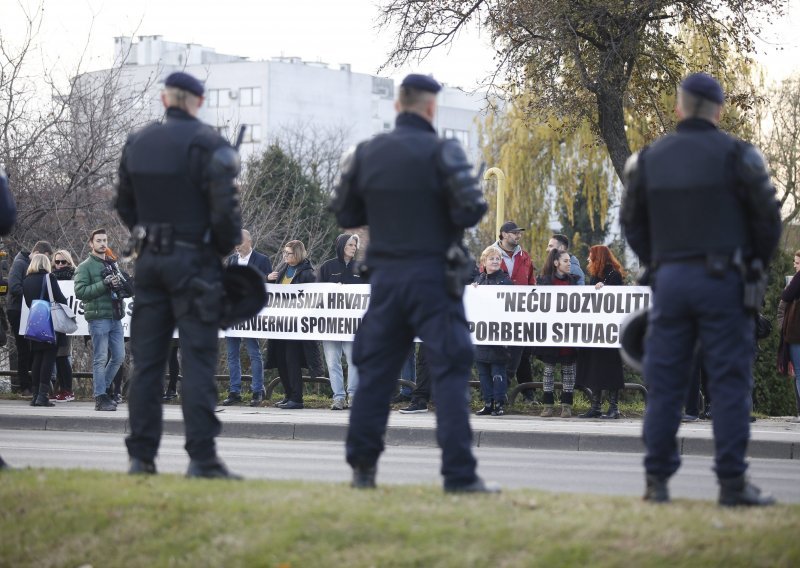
(423, 436)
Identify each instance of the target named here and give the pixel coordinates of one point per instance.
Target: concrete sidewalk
(774, 438)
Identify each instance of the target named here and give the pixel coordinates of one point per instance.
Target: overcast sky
(332, 31)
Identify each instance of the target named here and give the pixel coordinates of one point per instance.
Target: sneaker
(416, 407)
(689, 418)
(400, 398)
(62, 397)
(499, 410)
(117, 398)
(338, 404)
(233, 398)
(69, 396)
(485, 411)
(169, 395)
(258, 398)
(104, 403)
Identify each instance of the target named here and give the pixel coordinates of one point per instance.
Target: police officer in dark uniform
(177, 195)
(700, 211)
(417, 193)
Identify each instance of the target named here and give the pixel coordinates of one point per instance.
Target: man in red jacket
(517, 262)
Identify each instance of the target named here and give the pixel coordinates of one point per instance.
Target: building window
(460, 135)
(218, 98)
(252, 133)
(250, 96)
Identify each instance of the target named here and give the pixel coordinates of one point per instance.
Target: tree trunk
(611, 124)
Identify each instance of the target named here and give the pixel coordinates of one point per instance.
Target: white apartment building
(283, 93)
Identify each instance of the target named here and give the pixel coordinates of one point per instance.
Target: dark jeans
(493, 381)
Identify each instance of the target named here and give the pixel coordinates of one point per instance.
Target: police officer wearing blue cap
(417, 193)
(176, 194)
(701, 213)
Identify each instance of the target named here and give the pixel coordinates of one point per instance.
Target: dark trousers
(289, 355)
(174, 368)
(409, 300)
(422, 390)
(164, 299)
(689, 305)
(23, 352)
(64, 373)
(42, 369)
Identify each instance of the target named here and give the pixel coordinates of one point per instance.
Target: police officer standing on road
(417, 193)
(177, 195)
(700, 211)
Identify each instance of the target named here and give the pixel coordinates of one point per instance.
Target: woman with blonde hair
(289, 356)
(43, 354)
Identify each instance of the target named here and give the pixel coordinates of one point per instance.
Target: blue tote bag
(40, 322)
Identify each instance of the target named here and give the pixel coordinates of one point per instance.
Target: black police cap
(704, 86)
(185, 82)
(421, 82)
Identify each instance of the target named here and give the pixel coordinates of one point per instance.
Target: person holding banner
(556, 272)
(64, 269)
(600, 368)
(418, 194)
(291, 355)
(43, 354)
(340, 270)
(491, 360)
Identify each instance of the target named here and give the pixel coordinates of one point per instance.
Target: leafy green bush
(773, 393)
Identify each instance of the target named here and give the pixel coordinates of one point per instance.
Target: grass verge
(79, 518)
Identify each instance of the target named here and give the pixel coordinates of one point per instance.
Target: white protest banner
(68, 289)
(576, 316)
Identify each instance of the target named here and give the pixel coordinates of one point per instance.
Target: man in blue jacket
(245, 255)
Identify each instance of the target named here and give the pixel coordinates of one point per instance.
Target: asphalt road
(557, 471)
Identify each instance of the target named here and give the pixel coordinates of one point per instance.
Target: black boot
(594, 411)
(656, 490)
(613, 405)
(364, 477)
(738, 491)
(42, 400)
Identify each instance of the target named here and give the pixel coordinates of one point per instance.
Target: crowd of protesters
(45, 371)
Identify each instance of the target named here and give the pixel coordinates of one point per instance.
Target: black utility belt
(162, 238)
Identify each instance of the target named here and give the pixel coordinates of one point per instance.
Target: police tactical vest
(404, 195)
(158, 163)
(693, 202)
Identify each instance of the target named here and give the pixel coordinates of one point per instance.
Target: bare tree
(781, 145)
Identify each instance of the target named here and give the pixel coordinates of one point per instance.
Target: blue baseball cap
(185, 82)
(421, 82)
(704, 86)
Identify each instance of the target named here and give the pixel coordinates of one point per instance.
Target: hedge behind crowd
(773, 393)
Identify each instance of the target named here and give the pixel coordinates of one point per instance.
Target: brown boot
(566, 411)
(548, 411)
